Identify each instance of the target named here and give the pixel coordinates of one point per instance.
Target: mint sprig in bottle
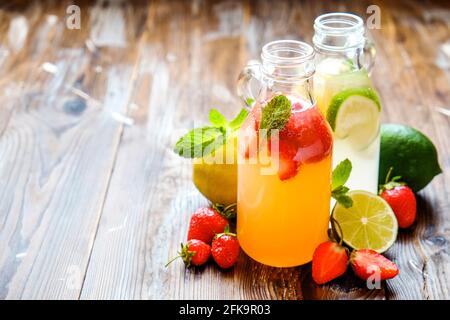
(284, 158)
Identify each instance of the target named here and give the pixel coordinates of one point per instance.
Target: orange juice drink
(283, 213)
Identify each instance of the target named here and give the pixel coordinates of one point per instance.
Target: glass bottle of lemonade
(346, 96)
(284, 168)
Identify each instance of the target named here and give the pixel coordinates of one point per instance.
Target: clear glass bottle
(346, 96)
(283, 178)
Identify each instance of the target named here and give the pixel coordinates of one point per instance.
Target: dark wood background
(93, 202)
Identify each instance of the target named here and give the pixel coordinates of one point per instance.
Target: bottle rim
(287, 52)
(288, 61)
(349, 22)
(338, 24)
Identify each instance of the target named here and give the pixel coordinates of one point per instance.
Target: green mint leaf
(240, 118)
(341, 174)
(344, 200)
(341, 189)
(249, 101)
(338, 189)
(199, 142)
(217, 119)
(276, 113)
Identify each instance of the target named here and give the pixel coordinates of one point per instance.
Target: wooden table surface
(93, 201)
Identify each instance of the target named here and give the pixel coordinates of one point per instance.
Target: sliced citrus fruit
(369, 224)
(354, 114)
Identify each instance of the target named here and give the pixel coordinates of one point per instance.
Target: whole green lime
(412, 155)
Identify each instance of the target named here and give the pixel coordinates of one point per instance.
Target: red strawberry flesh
(205, 223)
(329, 262)
(367, 262)
(403, 202)
(225, 250)
(200, 252)
(306, 138)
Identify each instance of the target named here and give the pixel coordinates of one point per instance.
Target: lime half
(354, 114)
(369, 224)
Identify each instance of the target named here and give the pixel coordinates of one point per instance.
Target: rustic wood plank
(161, 219)
(162, 197)
(57, 153)
(92, 209)
(409, 47)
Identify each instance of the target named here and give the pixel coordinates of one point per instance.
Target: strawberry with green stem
(228, 211)
(194, 252)
(225, 249)
(205, 223)
(400, 198)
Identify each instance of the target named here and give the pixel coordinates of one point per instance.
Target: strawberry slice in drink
(312, 135)
(305, 138)
(287, 166)
(284, 151)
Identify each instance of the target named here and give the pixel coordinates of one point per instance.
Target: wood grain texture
(57, 154)
(93, 201)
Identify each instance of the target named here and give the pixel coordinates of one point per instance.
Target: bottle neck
(287, 61)
(287, 67)
(339, 34)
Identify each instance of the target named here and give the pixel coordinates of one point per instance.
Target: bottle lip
(287, 52)
(348, 22)
(338, 24)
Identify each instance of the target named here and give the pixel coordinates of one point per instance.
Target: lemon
(215, 175)
(369, 224)
(354, 114)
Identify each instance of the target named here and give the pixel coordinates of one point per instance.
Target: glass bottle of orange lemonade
(346, 95)
(284, 168)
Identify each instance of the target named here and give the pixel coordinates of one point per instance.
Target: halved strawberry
(287, 168)
(367, 262)
(329, 262)
(312, 134)
(287, 151)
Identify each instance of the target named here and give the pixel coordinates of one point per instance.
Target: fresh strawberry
(312, 134)
(366, 262)
(325, 134)
(194, 252)
(401, 199)
(205, 223)
(329, 262)
(287, 167)
(225, 249)
(403, 203)
(287, 150)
